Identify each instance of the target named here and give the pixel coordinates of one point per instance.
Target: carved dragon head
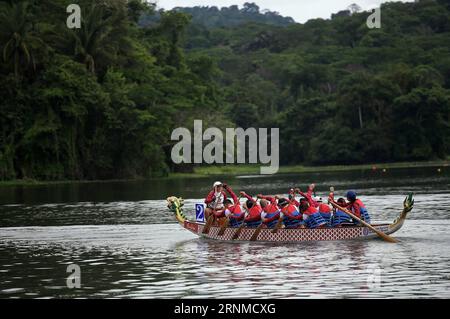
(408, 204)
(176, 204)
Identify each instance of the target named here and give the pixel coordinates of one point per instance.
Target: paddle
(224, 227)
(331, 193)
(257, 231)
(227, 221)
(313, 186)
(278, 225)
(378, 232)
(332, 197)
(239, 230)
(208, 224)
(280, 221)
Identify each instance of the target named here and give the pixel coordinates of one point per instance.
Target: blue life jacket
(340, 218)
(326, 217)
(292, 223)
(315, 220)
(364, 215)
(253, 224)
(272, 223)
(235, 222)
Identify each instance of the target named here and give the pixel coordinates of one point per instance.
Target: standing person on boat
(215, 200)
(356, 206)
(311, 215)
(340, 218)
(291, 216)
(254, 210)
(271, 211)
(234, 210)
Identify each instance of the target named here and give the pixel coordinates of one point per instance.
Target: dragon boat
(285, 235)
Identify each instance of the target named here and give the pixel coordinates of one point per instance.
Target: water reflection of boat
(289, 235)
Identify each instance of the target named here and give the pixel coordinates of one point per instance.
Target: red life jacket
(236, 209)
(235, 213)
(271, 208)
(310, 211)
(324, 208)
(254, 213)
(272, 213)
(291, 211)
(356, 206)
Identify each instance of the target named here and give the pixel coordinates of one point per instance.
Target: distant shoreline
(235, 170)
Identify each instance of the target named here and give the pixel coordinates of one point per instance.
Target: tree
(101, 38)
(173, 24)
(422, 123)
(18, 36)
(354, 8)
(251, 8)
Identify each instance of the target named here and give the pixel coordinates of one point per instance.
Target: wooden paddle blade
(277, 226)
(208, 224)
(224, 227)
(257, 231)
(385, 237)
(238, 231)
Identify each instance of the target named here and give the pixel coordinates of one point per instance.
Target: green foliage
(97, 102)
(101, 101)
(340, 92)
(19, 40)
(213, 17)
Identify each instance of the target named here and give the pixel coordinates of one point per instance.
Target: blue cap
(351, 195)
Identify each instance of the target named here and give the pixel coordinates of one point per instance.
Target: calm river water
(128, 245)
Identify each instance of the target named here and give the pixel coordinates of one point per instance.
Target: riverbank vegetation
(101, 102)
(294, 169)
(442, 167)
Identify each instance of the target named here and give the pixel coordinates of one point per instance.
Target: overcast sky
(300, 10)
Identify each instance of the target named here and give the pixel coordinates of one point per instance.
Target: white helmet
(217, 184)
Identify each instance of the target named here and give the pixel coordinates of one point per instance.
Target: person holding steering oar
(215, 202)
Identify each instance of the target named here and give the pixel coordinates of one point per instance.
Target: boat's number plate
(200, 212)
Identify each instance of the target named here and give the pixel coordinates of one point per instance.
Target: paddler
(254, 210)
(233, 209)
(324, 209)
(308, 195)
(291, 216)
(356, 206)
(215, 200)
(271, 211)
(340, 218)
(311, 215)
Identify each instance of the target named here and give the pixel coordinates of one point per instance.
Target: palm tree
(16, 32)
(93, 41)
